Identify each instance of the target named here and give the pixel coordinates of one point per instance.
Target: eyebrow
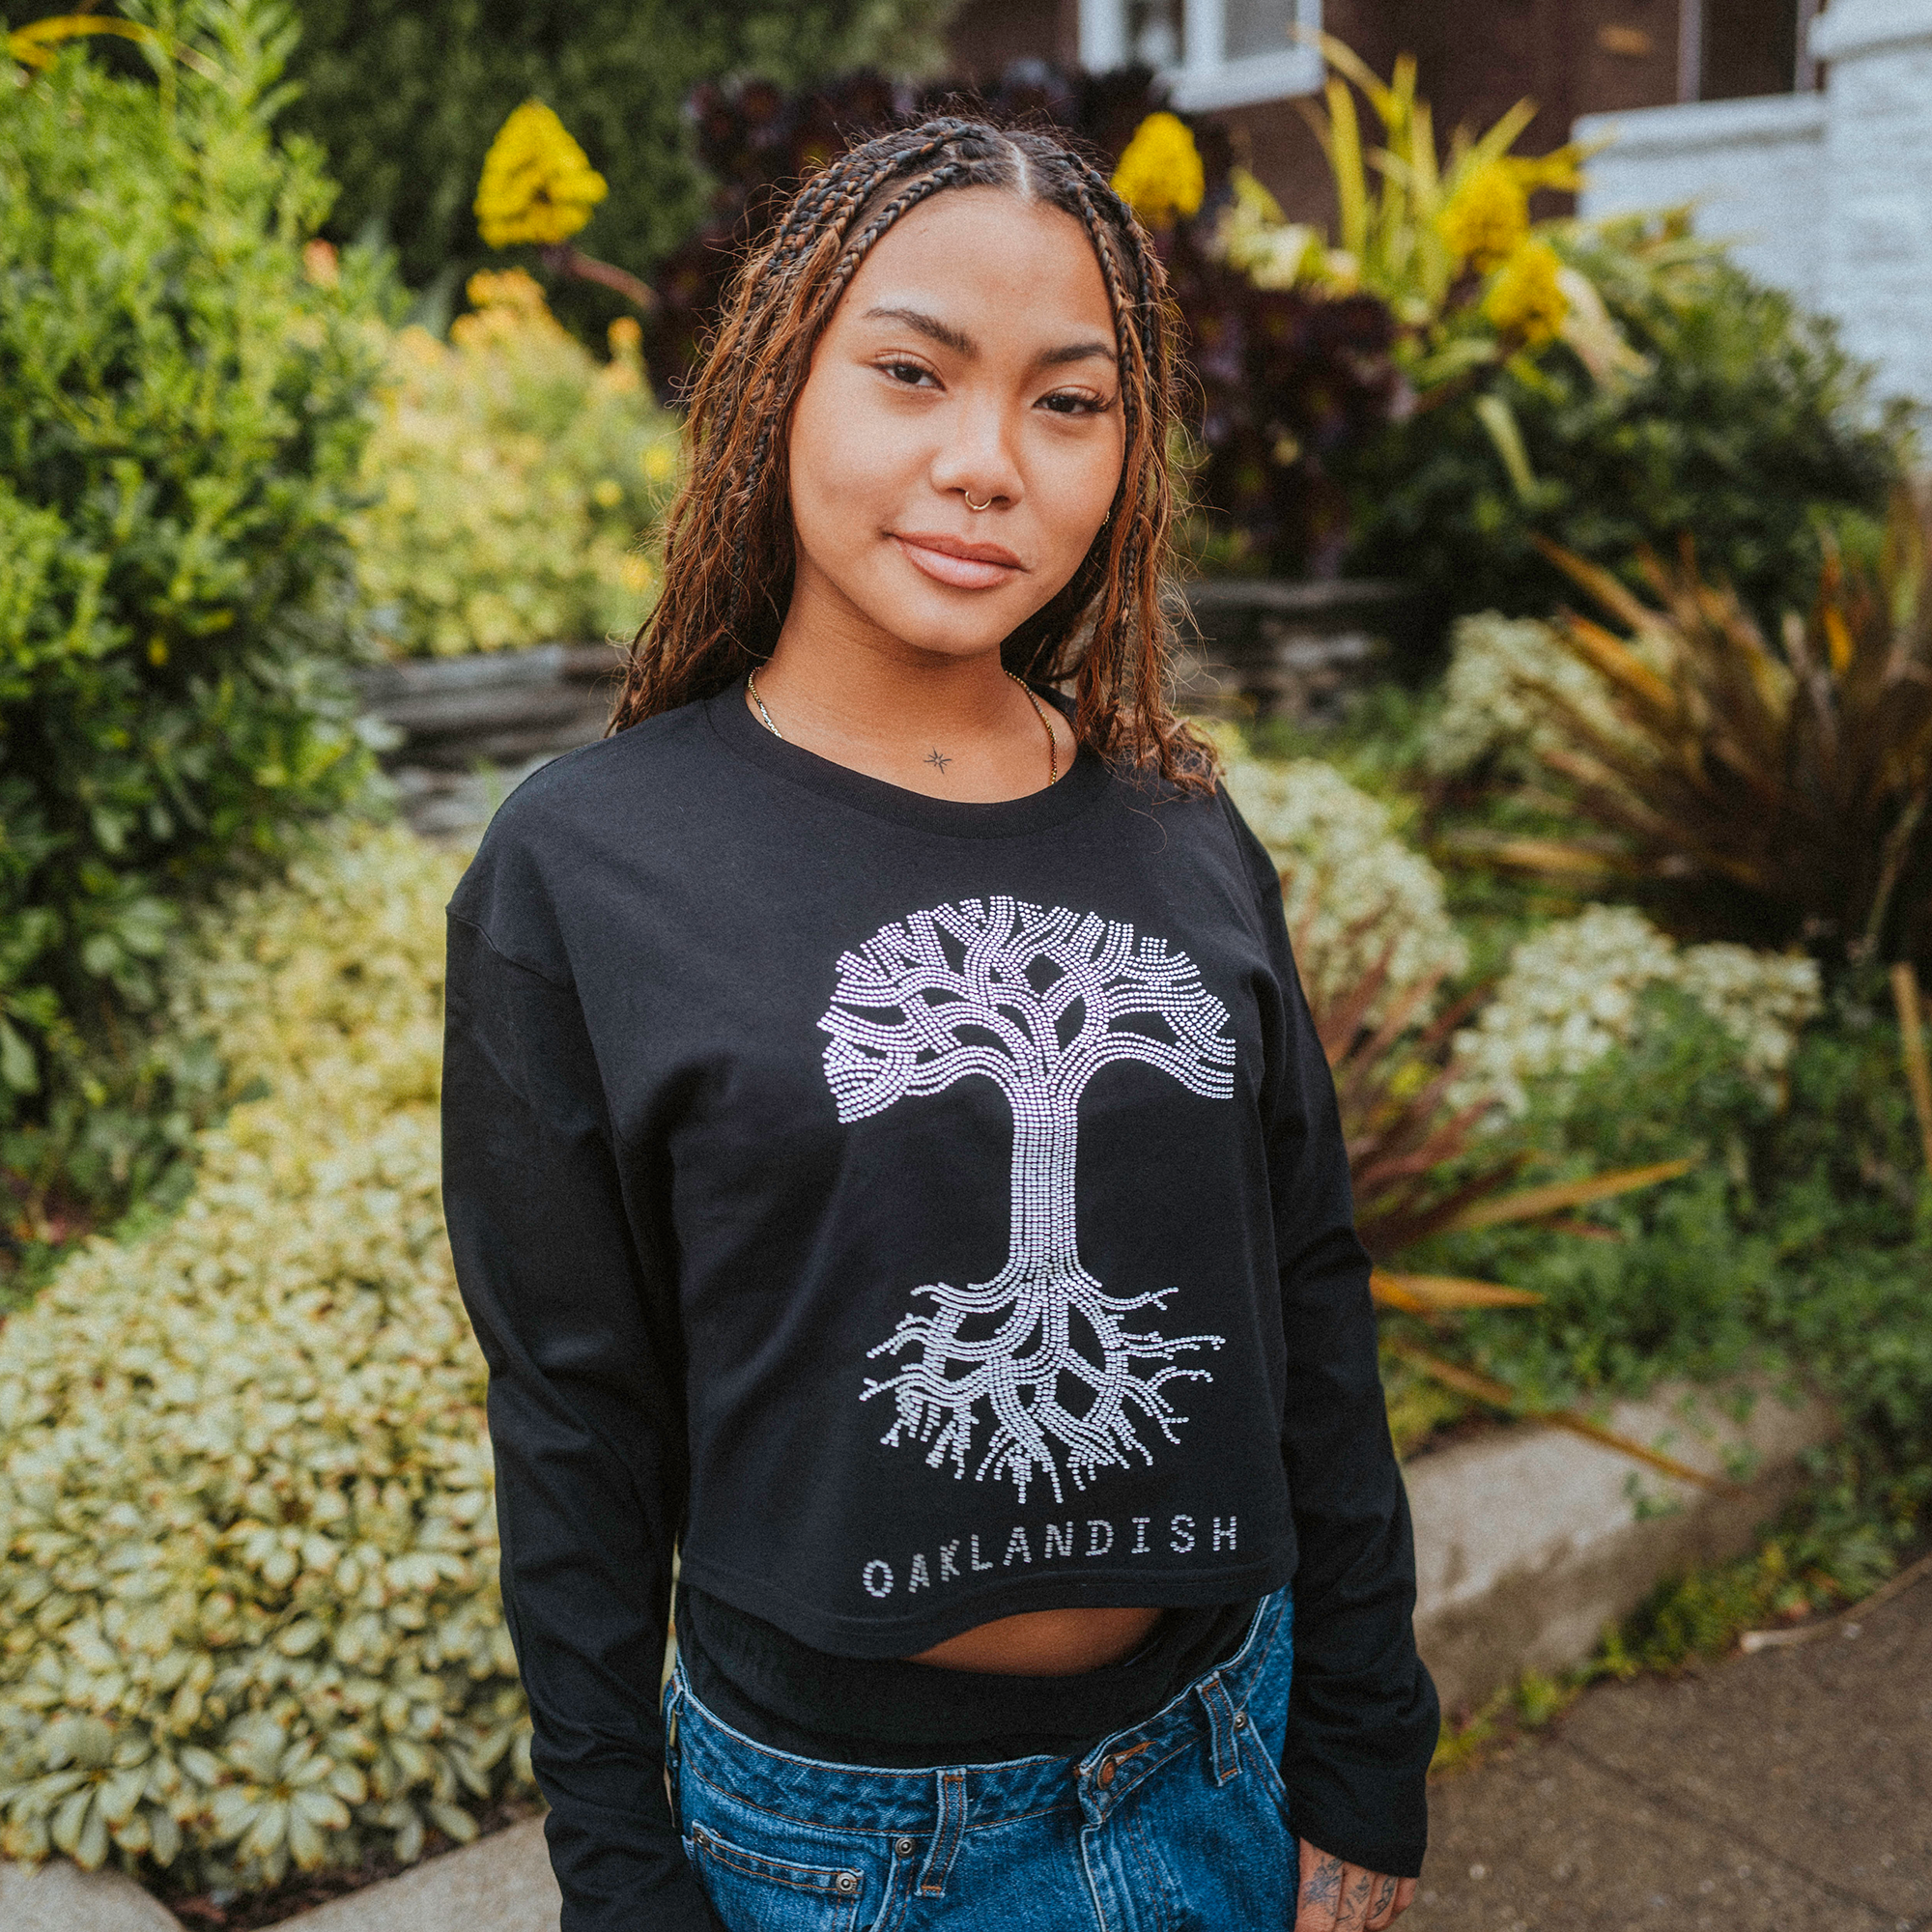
(962, 344)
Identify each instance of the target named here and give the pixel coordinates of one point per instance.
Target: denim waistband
(933, 1800)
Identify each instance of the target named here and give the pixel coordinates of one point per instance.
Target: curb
(60, 1897)
(1529, 1542)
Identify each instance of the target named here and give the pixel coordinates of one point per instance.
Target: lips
(953, 562)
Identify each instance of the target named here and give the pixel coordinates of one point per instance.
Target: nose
(975, 459)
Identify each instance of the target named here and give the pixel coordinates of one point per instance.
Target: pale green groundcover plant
(1357, 896)
(1573, 991)
(248, 1606)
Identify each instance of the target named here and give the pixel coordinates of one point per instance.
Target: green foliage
(512, 475)
(247, 1547)
(181, 408)
(406, 96)
(1800, 1244)
(1751, 429)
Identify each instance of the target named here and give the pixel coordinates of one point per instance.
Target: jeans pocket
(753, 1892)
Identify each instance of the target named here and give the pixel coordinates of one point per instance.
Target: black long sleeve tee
(922, 1212)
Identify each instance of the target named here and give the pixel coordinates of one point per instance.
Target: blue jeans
(1177, 1825)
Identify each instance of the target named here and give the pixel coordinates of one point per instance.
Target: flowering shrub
(1573, 991)
(1487, 216)
(515, 476)
(1490, 703)
(538, 184)
(1528, 299)
(1359, 899)
(1160, 175)
(247, 1549)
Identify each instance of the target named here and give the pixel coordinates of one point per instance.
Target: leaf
(1498, 419)
(164, 1837)
(17, 1065)
(1499, 1395)
(454, 1820)
(70, 1821)
(1427, 1294)
(1554, 1197)
(1566, 856)
(32, 44)
(1345, 159)
(307, 1844)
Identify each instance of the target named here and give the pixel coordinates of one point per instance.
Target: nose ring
(971, 505)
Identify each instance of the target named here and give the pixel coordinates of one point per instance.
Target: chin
(953, 624)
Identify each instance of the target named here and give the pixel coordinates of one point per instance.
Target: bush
(512, 475)
(182, 409)
(1359, 899)
(1749, 428)
(1575, 991)
(247, 1547)
(1798, 1244)
(1490, 715)
(1757, 794)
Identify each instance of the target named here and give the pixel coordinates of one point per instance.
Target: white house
(1829, 194)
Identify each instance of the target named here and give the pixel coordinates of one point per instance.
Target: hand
(1337, 1898)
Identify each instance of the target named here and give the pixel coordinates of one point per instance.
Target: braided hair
(727, 538)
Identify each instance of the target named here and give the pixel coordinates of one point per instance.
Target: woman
(888, 1158)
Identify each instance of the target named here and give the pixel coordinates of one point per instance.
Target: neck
(946, 724)
(841, 685)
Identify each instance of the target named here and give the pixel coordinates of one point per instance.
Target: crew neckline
(1077, 789)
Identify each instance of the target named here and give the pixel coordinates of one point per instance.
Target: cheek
(1072, 485)
(845, 456)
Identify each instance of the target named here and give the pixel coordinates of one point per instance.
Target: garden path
(1793, 1787)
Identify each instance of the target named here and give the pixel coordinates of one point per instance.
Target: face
(970, 361)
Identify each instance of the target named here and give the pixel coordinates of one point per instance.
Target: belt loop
(1221, 1728)
(946, 1833)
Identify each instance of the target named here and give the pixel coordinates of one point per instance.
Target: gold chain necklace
(1052, 747)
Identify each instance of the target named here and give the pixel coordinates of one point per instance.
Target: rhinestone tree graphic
(1038, 1000)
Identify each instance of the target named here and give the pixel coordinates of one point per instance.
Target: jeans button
(905, 1848)
(1106, 1771)
(846, 1882)
(1241, 1720)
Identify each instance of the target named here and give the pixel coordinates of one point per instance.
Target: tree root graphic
(1018, 1371)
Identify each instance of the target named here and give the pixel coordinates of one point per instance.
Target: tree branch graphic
(1037, 999)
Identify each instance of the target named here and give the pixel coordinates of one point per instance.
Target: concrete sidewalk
(1791, 1788)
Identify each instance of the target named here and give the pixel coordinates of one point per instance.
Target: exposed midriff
(1044, 1643)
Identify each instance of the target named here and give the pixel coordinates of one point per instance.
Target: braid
(835, 197)
(728, 540)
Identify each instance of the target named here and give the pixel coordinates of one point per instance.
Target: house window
(1213, 53)
(1734, 49)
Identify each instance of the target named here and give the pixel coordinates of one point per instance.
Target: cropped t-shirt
(917, 1214)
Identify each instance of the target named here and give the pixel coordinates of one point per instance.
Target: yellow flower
(1486, 217)
(1526, 298)
(538, 184)
(1160, 175)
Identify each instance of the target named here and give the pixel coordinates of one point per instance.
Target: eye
(909, 375)
(1073, 403)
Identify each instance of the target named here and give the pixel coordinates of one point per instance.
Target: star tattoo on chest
(938, 760)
